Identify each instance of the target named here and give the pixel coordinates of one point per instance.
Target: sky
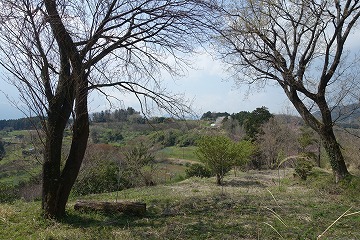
(209, 88)
(207, 85)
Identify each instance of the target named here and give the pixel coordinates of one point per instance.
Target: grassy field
(17, 166)
(187, 153)
(253, 205)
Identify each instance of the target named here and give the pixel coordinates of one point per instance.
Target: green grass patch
(169, 172)
(249, 206)
(187, 153)
(15, 169)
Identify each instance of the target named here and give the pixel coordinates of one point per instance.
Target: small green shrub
(187, 140)
(167, 137)
(198, 170)
(140, 164)
(100, 177)
(8, 193)
(220, 153)
(303, 168)
(179, 178)
(2, 149)
(113, 136)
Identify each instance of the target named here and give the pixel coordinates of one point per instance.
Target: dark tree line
(20, 124)
(213, 115)
(250, 121)
(119, 115)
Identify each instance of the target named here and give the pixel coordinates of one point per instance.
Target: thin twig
(274, 229)
(277, 216)
(274, 198)
(342, 215)
(358, 212)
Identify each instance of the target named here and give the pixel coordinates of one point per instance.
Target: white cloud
(205, 85)
(211, 92)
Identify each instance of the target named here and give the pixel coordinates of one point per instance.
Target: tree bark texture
(57, 183)
(335, 155)
(218, 179)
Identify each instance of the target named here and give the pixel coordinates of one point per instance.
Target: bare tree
(300, 46)
(277, 138)
(56, 52)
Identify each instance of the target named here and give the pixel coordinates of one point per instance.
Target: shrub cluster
(28, 190)
(303, 168)
(8, 193)
(198, 170)
(106, 170)
(174, 137)
(98, 178)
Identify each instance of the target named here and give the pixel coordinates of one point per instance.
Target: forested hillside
(347, 116)
(20, 124)
(126, 150)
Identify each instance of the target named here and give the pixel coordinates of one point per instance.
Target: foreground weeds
(253, 205)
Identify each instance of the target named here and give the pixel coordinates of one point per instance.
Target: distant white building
(218, 122)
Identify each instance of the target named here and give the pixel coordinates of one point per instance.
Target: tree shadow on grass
(244, 183)
(91, 219)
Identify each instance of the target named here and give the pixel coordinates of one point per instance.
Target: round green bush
(198, 170)
(99, 178)
(303, 168)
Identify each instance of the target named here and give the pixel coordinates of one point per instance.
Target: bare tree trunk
(319, 154)
(71, 170)
(56, 123)
(57, 185)
(78, 147)
(258, 51)
(325, 131)
(329, 141)
(51, 175)
(218, 179)
(335, 155)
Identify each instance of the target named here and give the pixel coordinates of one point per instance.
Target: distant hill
(346, 116)
(286, 118)
(20, 124)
